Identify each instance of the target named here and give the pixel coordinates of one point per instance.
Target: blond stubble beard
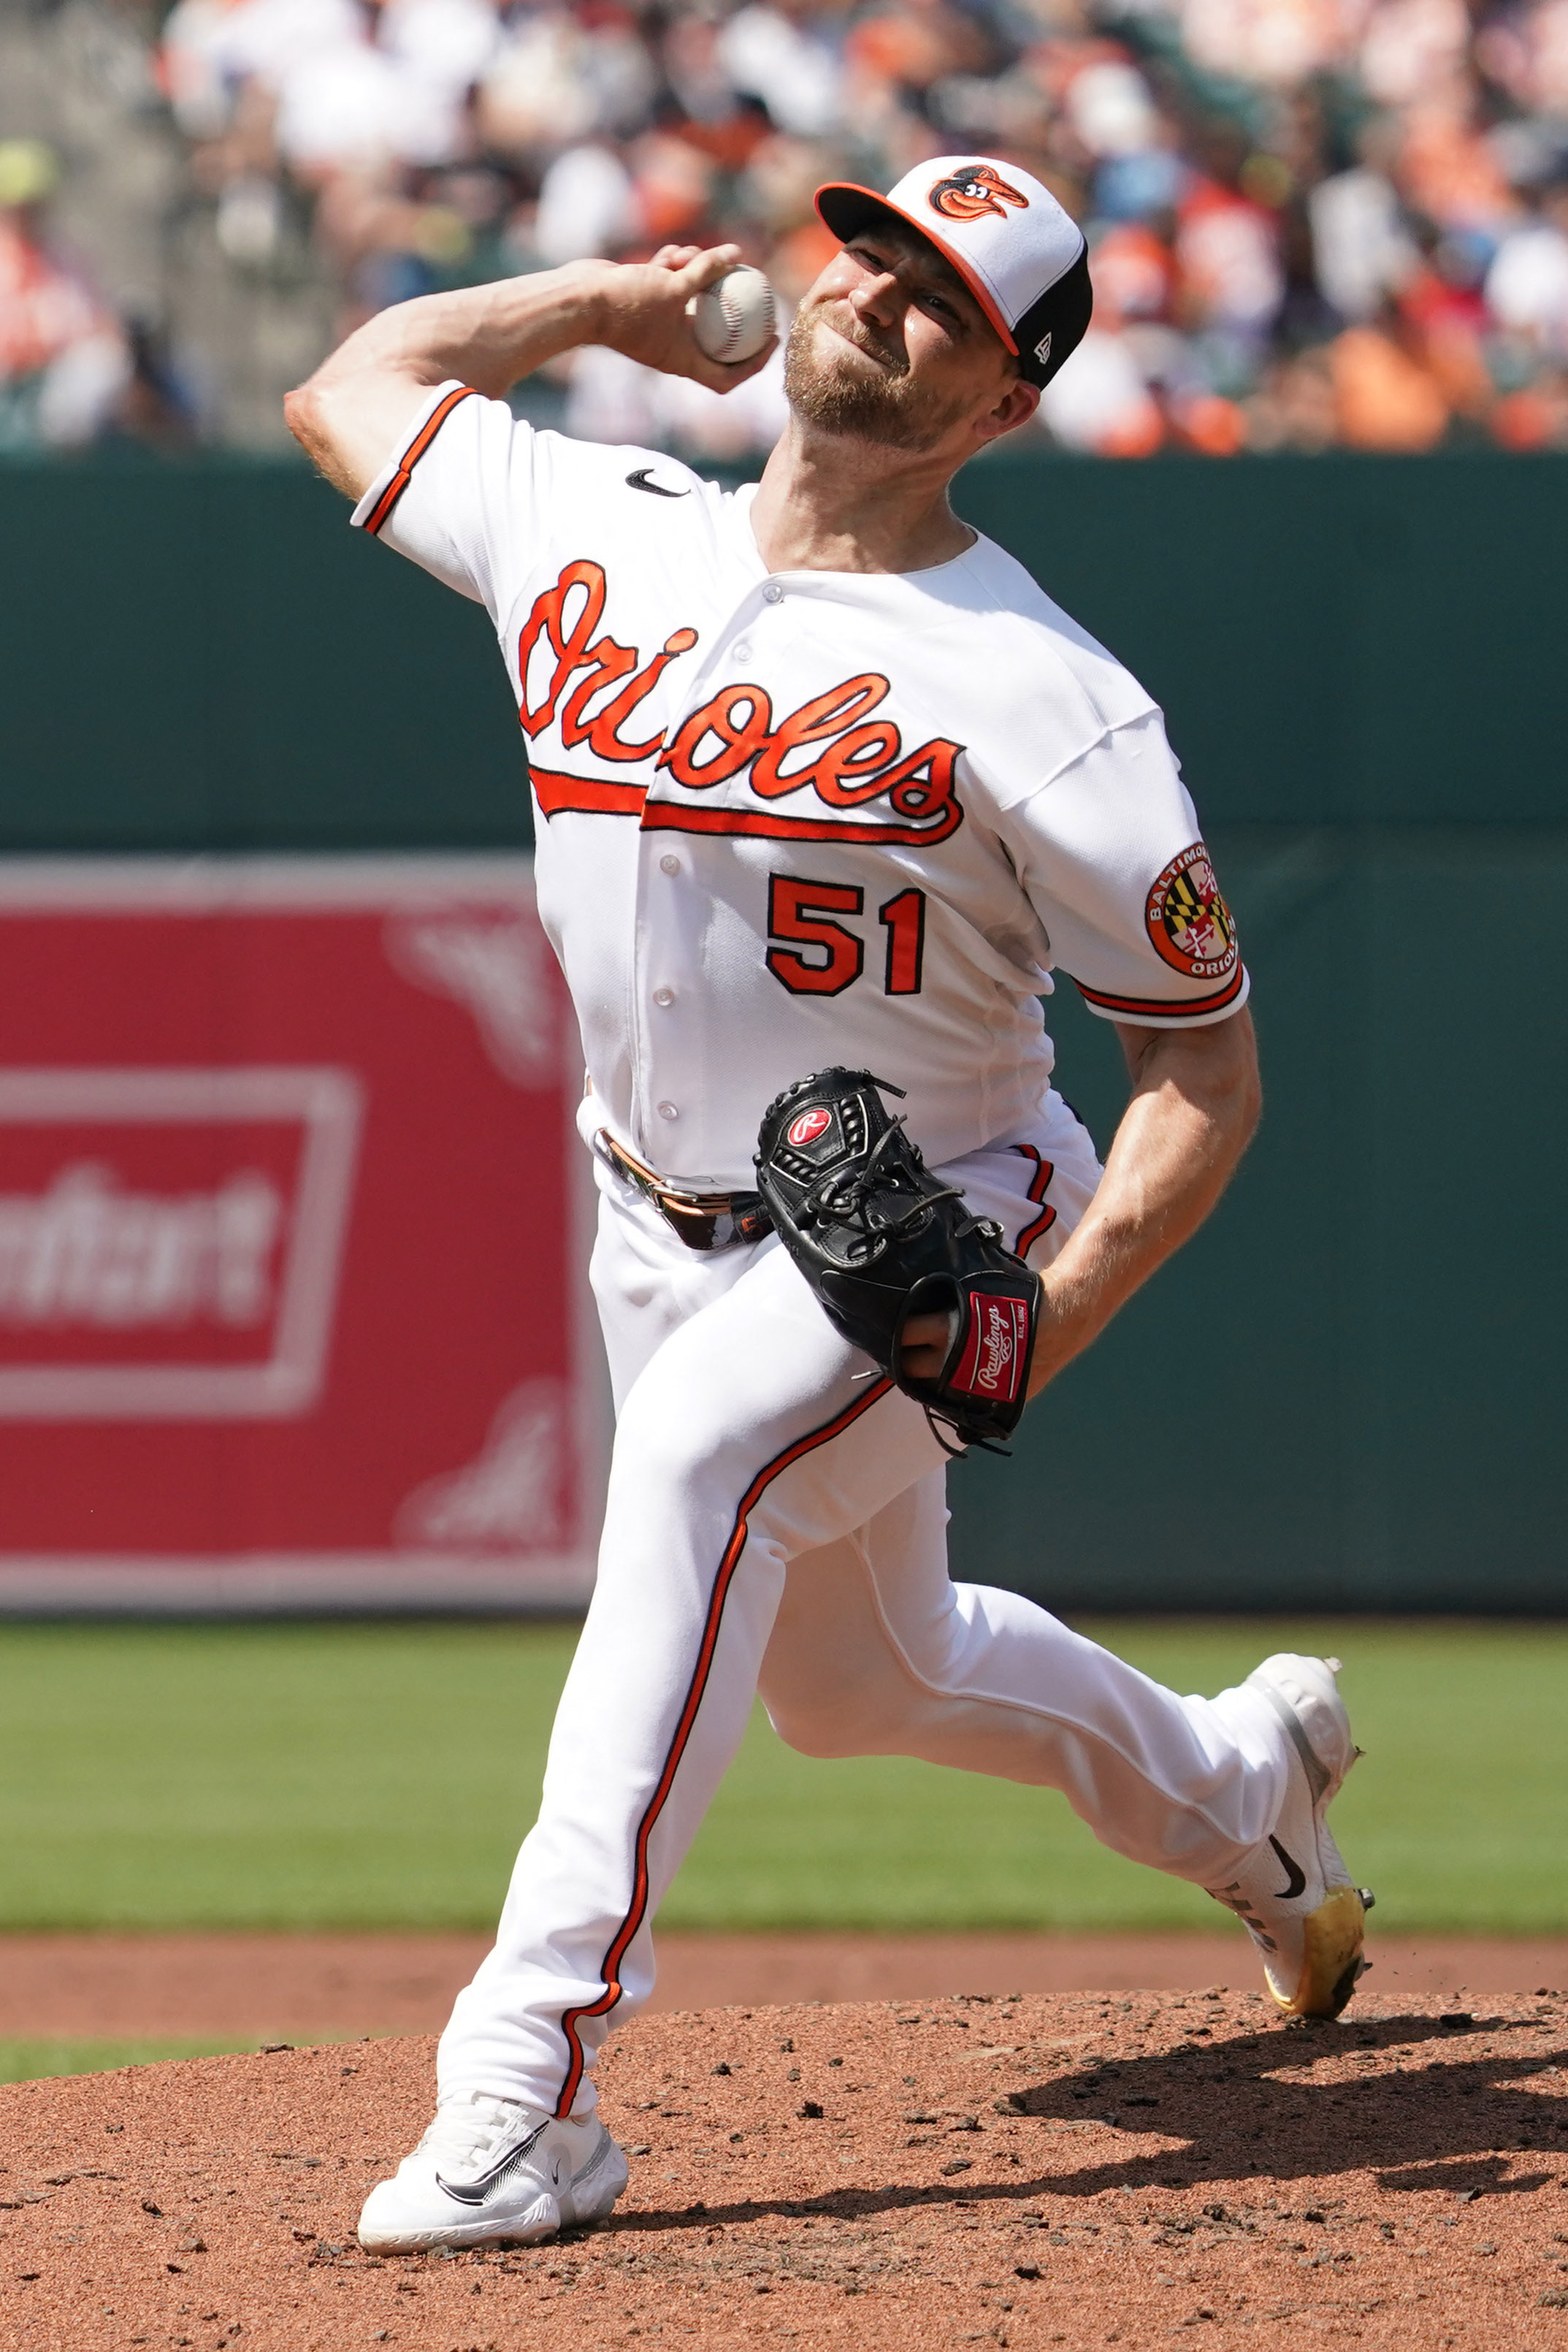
(889, 407)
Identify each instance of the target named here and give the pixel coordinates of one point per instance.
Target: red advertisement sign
(293, 1231)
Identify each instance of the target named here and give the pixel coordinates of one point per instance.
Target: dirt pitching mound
(1069, 2171)
(333, 1988)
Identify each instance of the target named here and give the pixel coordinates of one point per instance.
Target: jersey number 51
(822, 957)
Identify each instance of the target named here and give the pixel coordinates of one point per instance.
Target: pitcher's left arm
(1195, 1103)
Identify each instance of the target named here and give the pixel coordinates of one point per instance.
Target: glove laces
(845, 1200)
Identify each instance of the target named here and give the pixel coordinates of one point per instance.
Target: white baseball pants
(775, 1522)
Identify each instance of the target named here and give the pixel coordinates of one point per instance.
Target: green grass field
(24, 2062)
(329, 1775)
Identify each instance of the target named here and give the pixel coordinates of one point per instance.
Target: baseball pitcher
(826, 790)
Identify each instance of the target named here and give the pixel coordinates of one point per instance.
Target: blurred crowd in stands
(1312, 223)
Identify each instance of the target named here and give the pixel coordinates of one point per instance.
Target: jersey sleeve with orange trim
(1110, 855)
(467, 494)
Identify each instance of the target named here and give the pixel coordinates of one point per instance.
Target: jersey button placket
(664, 1078)
(664, 1048)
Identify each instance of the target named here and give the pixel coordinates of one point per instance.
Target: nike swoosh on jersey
(1295, 1876)
(639, 481)
(473, 2192)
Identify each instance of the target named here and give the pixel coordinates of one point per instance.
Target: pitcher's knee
(671, 1457)
(859, 1716)
(810, 1728)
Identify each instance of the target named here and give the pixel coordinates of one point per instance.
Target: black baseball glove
(880, 1239)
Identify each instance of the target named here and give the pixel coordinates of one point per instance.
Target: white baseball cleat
(493, 2172)
(1294, 1895)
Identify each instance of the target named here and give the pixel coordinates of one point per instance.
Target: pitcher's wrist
(586, 298)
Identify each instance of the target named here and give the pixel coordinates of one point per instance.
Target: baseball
(735, 317)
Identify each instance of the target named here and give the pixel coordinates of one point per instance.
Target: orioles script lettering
(831, 745)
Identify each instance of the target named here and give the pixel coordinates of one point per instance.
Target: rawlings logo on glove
(992, 1365)
(881, 1240)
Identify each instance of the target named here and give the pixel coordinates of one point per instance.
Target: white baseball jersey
(788, 820)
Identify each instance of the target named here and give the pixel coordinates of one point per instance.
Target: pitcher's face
(889, 345)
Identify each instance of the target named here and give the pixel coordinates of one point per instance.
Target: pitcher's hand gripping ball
(880, 1239)
(732, 319)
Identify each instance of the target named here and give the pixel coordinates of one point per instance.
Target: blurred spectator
(1313, 223)
(1103, 402)
(64, 362)
(787, 58)
(1384, 397)
(1527, 284)
(1361, 245)
(612, 399)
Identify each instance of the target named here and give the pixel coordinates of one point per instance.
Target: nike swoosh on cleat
(1295, 1876)
(639, 481)
(473, 2192)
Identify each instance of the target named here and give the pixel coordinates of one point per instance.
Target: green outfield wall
(1350, 1391)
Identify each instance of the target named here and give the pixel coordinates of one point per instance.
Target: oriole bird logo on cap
(976, 189)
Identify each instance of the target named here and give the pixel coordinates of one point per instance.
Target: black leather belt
(704, 1221)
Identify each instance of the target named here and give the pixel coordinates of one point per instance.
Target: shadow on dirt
(1444, 2121)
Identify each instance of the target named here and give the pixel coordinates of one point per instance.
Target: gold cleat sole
(1334, 1936)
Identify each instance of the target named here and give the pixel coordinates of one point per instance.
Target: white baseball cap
(1022, 257)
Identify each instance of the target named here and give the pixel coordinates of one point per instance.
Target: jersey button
(664, 996)
(669, 863)
(773, 593)
(668, 1110)
(741, 651)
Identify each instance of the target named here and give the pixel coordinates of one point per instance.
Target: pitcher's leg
(874, 1652)
(753, 1434)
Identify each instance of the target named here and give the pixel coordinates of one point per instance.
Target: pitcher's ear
(1016, 407)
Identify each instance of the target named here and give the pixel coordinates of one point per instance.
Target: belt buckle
(702, 1221)
(731, 1227)
(698, 1228)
